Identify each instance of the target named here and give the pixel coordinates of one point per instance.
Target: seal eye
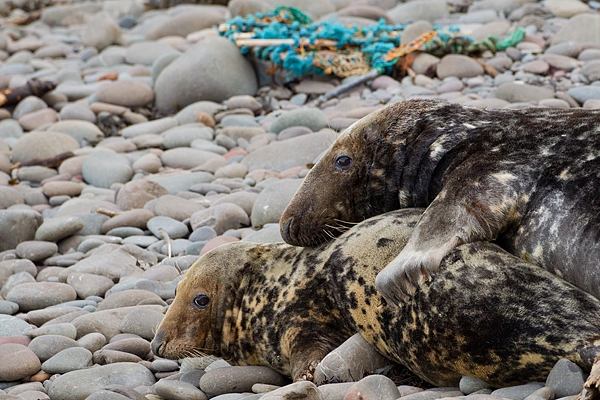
(201, 301)
(343, 162)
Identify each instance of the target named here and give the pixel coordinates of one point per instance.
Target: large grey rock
(428, 10)
(102, 168)
(281, 155)
(17, 226)
(101, 31)
(271, 202)
(213, 69)
(584, 93)
(82, 131)
(582, 28)
(192, 20)
(565, 379)
(312, 118)
(42, 145)
(516, 93)
(77, 385)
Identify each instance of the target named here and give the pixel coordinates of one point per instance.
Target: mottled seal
(486, 313)
(526, 178)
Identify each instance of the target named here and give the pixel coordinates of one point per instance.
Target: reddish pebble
(216, 242)
(236, 151)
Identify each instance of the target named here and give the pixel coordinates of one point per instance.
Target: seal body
(486, 314)
(525, 178)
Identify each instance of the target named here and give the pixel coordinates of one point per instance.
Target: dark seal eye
(201, 301)
(343, 162)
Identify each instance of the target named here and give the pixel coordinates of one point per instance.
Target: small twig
(106, 211)
(346, 86)
(167, 240)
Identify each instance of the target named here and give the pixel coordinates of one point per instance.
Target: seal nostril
(286, 232)
(157, 343)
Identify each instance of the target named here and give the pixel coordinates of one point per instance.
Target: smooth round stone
(142, 322)
(63, 329)
(92, 341)
(176, 207)
(570, 49)
(203, 234)
(192, 20)
(133, 345)
(35, 119)
(566, 8)
(271, 202)
(186, 158)
(554, 103)
(172, 389)
(234, 170)
(178, 247)
(312, 118)
(470, 385)
(36, 250)
(84, 132)
(592, 104)
(101, 31)
(176, 183)
(173, 228)
(591, 70)
(137, 218)
(428, 10)
(459, 66)
(517, 93)
(35, 173)
(27, 105)
(111, 357)
(79, 384)
(10, 196)
(125, 231)
(184, 135)
(141, 241)
(221, 218)
(582, 28)
(17, 362)
(146, 53)
(77, 112)
(519, 392)
(585, 55)
(8, 307)
(161, 273)
(204, 188)
(231, 74)
(565, 379)
(89, 285)
(54, 229)
(156, 126)
(373, 386)
(34, 296)
(47, 346)
(10, 326)
(539, 67)
(68, 360)
(238, 379)
(102, 168)
(137, 193)
(128, 298)
(149, 163)
(207, 145)
(10, 128)
(42, 145)
(57, 188)
(584, 93)
(128, 93)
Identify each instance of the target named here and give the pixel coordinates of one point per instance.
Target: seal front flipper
(305, 356)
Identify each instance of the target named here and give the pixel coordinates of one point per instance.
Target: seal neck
(225, 327)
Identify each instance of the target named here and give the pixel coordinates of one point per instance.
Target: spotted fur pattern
(486, 314)
(526, 178)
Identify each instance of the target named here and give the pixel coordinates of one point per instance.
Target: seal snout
(157, 343)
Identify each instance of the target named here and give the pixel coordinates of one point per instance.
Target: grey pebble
(519, 392)
(68, 360)
(172, 227)
(237, 379)
(177, 390)
(142, 323)
(565, 378)
(47, 346)
(8, 307)
(469, 385)
(62, 329)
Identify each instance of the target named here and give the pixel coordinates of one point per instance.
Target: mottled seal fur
(526, 178)
(486, 313)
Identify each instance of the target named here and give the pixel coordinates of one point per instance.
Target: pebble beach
(159, 141)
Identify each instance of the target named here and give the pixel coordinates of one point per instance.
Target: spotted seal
(526, 178)
(486, 313)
